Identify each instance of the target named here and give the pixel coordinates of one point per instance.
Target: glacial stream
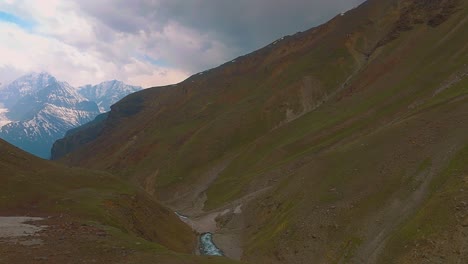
(207, 246)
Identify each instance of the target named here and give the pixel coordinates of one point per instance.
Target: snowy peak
(107, 93)
(37, 109)
(24, 86)
(61, 94)
(42, 89)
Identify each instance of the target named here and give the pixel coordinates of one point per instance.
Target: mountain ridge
(107, 93)
(337, 142)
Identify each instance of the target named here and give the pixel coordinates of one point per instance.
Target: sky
(144, 42)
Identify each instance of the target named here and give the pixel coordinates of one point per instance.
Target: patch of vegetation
(438, 216)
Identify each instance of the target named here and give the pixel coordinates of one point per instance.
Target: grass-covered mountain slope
(346, 143)
(77, 137)
(91, 217)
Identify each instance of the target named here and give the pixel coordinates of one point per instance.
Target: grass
(45, 188)
(385, 103)
(274, 227)
(438, 216)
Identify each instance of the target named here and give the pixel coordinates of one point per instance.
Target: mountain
(11, 94)
(346, 143)
(40, 110)
(36, 109)
(107, 93)
(74, 138)
(24, 86)
(83, 216)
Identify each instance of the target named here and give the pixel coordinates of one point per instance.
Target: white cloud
(66, 44)
(23, 52)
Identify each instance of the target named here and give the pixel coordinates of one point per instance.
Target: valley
(77, 215)
(344, 143)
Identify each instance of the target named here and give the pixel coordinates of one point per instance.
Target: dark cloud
(239, 26)
(251, 23)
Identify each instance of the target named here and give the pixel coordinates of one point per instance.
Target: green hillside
(90, 216)
(346, 143)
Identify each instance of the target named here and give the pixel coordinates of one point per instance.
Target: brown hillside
(90, 217)
(346, 143)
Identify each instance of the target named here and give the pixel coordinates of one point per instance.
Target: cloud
(145, 42)
(22, 52)
(245, 23)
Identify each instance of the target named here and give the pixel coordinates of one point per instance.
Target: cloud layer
(144, 42)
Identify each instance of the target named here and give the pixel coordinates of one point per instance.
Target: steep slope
(78, 137)
(89, 217)
(107, 93)
(341, 144)
(42, 110)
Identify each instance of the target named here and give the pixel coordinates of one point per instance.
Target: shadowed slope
(89, 216)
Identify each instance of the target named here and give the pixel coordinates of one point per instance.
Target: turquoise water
(207, 246)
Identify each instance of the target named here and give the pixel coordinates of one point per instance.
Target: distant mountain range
(107, 93)
(37, 109)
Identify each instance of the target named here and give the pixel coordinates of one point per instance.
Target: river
(207, 246)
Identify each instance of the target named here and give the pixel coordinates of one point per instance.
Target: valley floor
(58, 239)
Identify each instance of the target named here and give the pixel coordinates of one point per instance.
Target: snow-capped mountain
(107, 93)
(38, 110)
(24, 86)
